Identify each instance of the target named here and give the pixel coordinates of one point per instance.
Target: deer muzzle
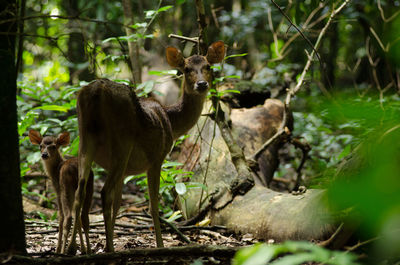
(201, 86)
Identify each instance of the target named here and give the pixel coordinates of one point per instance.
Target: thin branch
(64, 17)
(383, 13)
(332, 237)
(297, 28)
(194, 39)
(305, 148)
(283, 130)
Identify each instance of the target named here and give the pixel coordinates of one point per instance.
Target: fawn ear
(35, 137)
(216, 52)
(174, 57)
(63, 139)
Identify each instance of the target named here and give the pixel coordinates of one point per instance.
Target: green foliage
(173, 180)
(46, 109)
(367, 181)
(291, 253)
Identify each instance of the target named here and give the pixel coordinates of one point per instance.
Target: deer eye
(188, 70)
(41, 146)
(208, 67)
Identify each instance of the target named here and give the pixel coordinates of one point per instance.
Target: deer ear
(216, 52)
(174, 57)
(63, 139)
(35, 137)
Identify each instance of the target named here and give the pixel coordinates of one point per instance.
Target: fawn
(129, 135)
(64, 176)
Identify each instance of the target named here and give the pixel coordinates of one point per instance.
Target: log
(265, 213)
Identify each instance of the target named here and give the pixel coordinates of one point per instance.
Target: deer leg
(153, 182)
(83, 249)
(117, 200)
(86, 156)
(66, 226)
(60, 226)
(111, 196)
(85, 213)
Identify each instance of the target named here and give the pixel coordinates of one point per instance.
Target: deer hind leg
(85, 211)
(87, 150)
(111, 195)
(153, 182)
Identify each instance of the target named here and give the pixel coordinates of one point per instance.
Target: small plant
(291, 253)
(171, 183)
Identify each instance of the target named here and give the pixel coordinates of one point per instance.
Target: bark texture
(265, 213)
(12, 230)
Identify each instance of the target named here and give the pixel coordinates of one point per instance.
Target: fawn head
(49, 145)
(196, 68)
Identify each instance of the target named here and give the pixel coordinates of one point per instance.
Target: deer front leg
(85, 162)
(153, 182)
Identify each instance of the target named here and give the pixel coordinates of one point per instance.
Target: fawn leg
(60, 225)
(153, 182)
(86, 154)
(66, 226)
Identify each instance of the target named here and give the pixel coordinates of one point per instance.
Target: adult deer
(64, 177)
(128, 135)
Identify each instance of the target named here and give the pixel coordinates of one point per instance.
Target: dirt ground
(133, 230)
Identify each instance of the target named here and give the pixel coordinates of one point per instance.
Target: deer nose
(45, 155)
(201, 85)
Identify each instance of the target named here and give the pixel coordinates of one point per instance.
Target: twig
(176, 230)
(297, 28)
(173, 227)
(305, 148)
(383, 13)
(331, 238)
(359, 244)
(194, 40)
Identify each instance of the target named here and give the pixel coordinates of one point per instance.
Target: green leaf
(345, 152)
(164, 72)
(52, 107)
(167, 164)
(138, 25)
(164, 8)
(258, 254)
(180, 188)
(235, 55)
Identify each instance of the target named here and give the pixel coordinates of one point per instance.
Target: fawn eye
(188, 69)
(208, 67)
(41, 146)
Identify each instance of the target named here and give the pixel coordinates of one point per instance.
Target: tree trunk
(265, 213)
(12, 230)
(133, 47)
(79, 70)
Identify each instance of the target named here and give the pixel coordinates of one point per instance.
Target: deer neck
(52, 168)
(184, 114)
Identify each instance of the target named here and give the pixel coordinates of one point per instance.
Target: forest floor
(133, 230)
